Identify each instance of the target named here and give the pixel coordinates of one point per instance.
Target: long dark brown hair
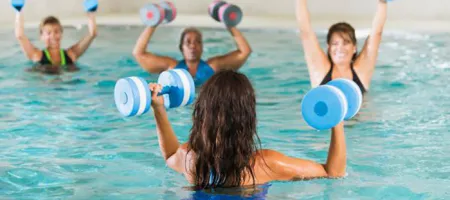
(343, 29)
(223, 135)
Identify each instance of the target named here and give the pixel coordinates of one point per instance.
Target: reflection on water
(62, 137)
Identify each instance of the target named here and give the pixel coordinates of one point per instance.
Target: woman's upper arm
(154, 63)
(32, 52)
(365, 63)
(178, 160)
(289, 168)
(366, 60)
(316, 59)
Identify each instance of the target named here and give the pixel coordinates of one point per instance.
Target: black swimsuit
(328, 78)
(47, 66)
(46, 60)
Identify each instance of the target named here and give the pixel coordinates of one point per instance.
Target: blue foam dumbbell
(327, 105)
(155, 14)
(90, 5)
(229, 14)
(18, 4)
(133, 97)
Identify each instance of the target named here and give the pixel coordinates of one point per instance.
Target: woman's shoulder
(267, 152)
(268, 157)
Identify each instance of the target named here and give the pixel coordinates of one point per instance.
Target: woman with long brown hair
(342, 59)
(223, 146)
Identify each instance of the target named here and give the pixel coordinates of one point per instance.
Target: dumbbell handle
(165, 90)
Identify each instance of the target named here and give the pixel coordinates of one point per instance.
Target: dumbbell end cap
(323, 107)
(132, 96)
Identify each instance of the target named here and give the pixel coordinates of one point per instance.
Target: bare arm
(288, 168)
(148, 61)
(235, 59)
(28, 48)
(78, 49)
(365, 63)
(168, 141)
(337, 153)
(316, 59)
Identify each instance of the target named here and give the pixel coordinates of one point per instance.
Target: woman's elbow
(138, 55)
(247, 52)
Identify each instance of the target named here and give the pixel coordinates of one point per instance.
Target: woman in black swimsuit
(53, 59)
(342, 59)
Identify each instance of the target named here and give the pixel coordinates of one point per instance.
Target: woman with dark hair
(222, 150)
(342, 59)
(191, 46)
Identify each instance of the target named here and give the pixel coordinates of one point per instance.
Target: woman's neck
(192, 63)
(53, 49)
(192, 66)
(342, 70)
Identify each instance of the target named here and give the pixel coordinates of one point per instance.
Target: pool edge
(254, 22)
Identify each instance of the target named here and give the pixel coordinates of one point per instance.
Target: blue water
(61, 137)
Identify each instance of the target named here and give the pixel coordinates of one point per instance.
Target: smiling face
(341, 44)
(191, 44)
(51, 32)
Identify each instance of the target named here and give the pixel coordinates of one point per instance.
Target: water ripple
(62, 137)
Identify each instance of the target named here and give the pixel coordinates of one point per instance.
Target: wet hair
(186, 31)
(49, 20)
(223, 135)
(344, 29)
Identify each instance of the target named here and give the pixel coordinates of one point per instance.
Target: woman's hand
(157, 100)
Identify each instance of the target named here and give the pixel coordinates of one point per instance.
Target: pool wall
(433, 15)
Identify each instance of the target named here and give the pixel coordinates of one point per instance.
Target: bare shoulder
(183, 149)
(186, 153)
(267, 153)
(213, 62)
(72, 55)
(267, 158)
(266, 165)
(187, 162)
(37, 55)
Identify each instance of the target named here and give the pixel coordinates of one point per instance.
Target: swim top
(47, 60)
(328, 78)
(204, 71)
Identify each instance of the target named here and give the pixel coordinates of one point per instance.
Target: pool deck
(255, 22)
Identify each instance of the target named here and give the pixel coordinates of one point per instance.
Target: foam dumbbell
(132, 96)
(18, 4)
(155, 14)
(327, 105)
(90, 5)
(229, 14)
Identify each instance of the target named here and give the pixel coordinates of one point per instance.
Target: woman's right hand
(157, 100)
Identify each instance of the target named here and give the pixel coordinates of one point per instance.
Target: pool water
(62, 137)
